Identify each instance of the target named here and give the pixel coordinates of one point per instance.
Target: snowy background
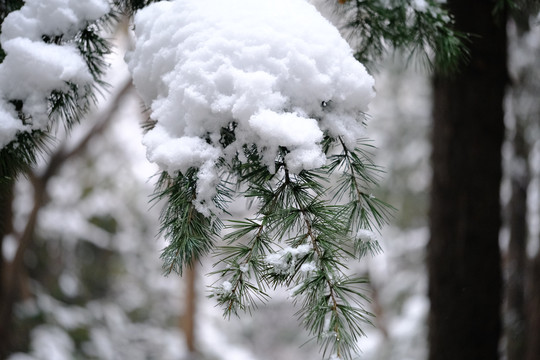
(138, 313)
(103, 294)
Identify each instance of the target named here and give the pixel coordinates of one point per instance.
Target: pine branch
(242, 263)
(344, 319)
(190, 233)
(363, 210)
(19, 155)
(302, 236)
(305, 227)
(66, 106)
(376, 27)
(129, 7)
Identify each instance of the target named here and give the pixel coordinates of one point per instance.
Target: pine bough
(261, 100)
(273, 116)
(306, 228)
(51, 63)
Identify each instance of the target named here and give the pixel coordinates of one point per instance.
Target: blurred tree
(15, 271)
(464, 260)
(522, 318)
(64, 101)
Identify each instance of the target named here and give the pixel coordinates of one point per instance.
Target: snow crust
(277, 69)
(33, 68)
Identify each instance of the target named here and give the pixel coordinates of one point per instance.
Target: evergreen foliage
(418, 28)
(190, 233)
(305, 229)
(66, 107)
(129, 7)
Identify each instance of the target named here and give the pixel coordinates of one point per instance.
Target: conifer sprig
(244, 267)
(376, 26)
(327, 302)
(304, 232)
(190, 233)
(358, 176)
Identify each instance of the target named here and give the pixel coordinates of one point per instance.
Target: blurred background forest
(82, 257)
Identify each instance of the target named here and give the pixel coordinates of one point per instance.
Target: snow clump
(276, 71)
(33, 68)
(366, 235)
(284, 261)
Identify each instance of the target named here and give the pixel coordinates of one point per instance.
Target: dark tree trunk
(14, 276)
(6, 216)
(533, 309)
(463, 253)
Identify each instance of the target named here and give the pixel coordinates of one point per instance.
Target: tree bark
(533, 309)
(11, 284)
(463, 252)
(188, 319)
(6, 216)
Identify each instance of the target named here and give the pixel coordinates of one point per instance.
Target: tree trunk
(6, 216)
(13, 271)
(188, 318)
(463, 253)
(533, 309)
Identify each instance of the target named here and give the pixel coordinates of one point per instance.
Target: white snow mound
(267, 66)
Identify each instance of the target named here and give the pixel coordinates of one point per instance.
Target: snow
(301, 134)
(420, 5)
(266, 66)
(39, 68)
(284, 260)
(9, 124)
(51, 343)
(367, 235)
(52, 18)
(33, 68)
(227, 286)
(244, 268)
(308, 267)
